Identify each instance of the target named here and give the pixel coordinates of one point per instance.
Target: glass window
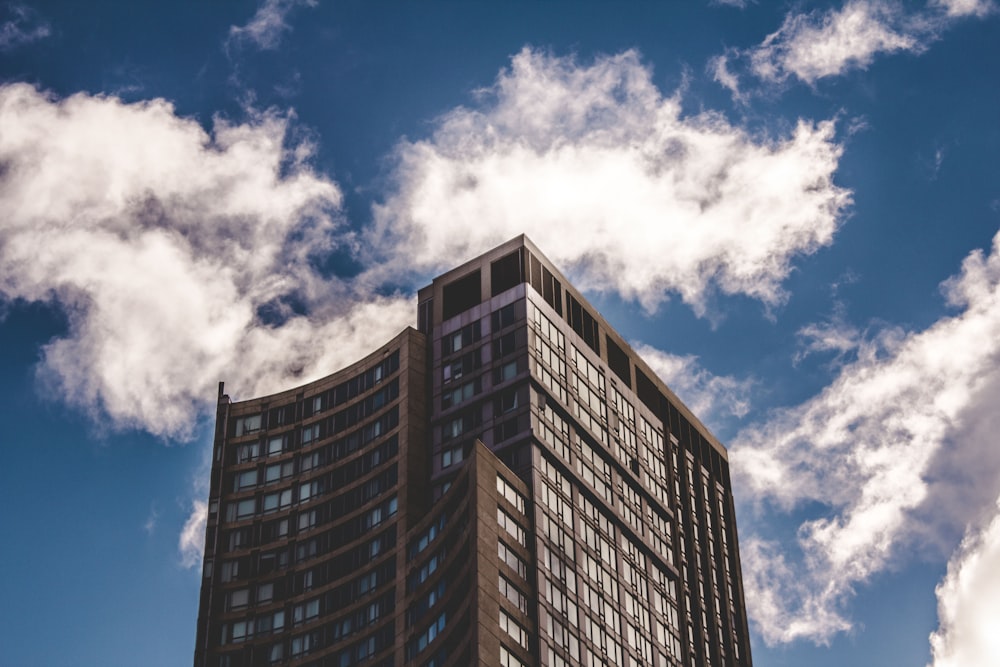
(511, 494)
(512, 593)
(503, 317)
(308, 461)
(248, 424)
(459, 394)
(239, 630)
(508, 659)
(508, 556)
(453, 428)
(271, 502)
(507, 522)
(504, 345)
(307, 520)
(506, 372)
(515, 631)
(246, 479)
(308, 490)
(247, 452)
(230, 570)
(277, 471)
(508, 401)
(450, 457)
(245, 508)
(277, 652)
(239, 598)
(310, 433)
(275, 445)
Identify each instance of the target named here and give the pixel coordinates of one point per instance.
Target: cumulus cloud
(825, 43)
(268, 25)
(181, 257)
(969, 603)
(711, 397)
(23, 26)
(586, 159)
(899, 442)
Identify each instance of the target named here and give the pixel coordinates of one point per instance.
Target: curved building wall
(305, 528)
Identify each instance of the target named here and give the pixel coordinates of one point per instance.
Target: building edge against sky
(511, 484)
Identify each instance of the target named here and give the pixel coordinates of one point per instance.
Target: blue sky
(791, 209)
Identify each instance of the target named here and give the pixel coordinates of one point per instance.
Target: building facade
(509, 484)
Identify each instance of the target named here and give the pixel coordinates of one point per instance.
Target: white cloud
(588, 159)
(969, 603)
(268, 25)
(191, 543)
(718, 67)
(956, 8)
(164, 244)
(835, 335)
(711, 397)
(821, 44)
(831, 42)
(24, 26)
(896, 447)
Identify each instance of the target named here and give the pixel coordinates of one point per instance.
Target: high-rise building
(508, 485)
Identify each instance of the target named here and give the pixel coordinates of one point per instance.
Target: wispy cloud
(821, 44)
(713, 398)
(898, 446)
(268, 25)
(834, 334)
(191, 543)
(826, 43)
(149, 525)
(181, 257)
(604, 172)
(23, 25)
(956, 8)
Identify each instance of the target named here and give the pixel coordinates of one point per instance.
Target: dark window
(545, 283)
(647, 391)
(281, 415)
(618, 361)
(583, 323)
(504, 345)
(462, 294)
(506, 430)
(536, 273)
(507, 272)
(424, 311)
(551, 290)
(460, 339)
(507, 401)
(460, 367)
(506, 372)
(503, 318)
